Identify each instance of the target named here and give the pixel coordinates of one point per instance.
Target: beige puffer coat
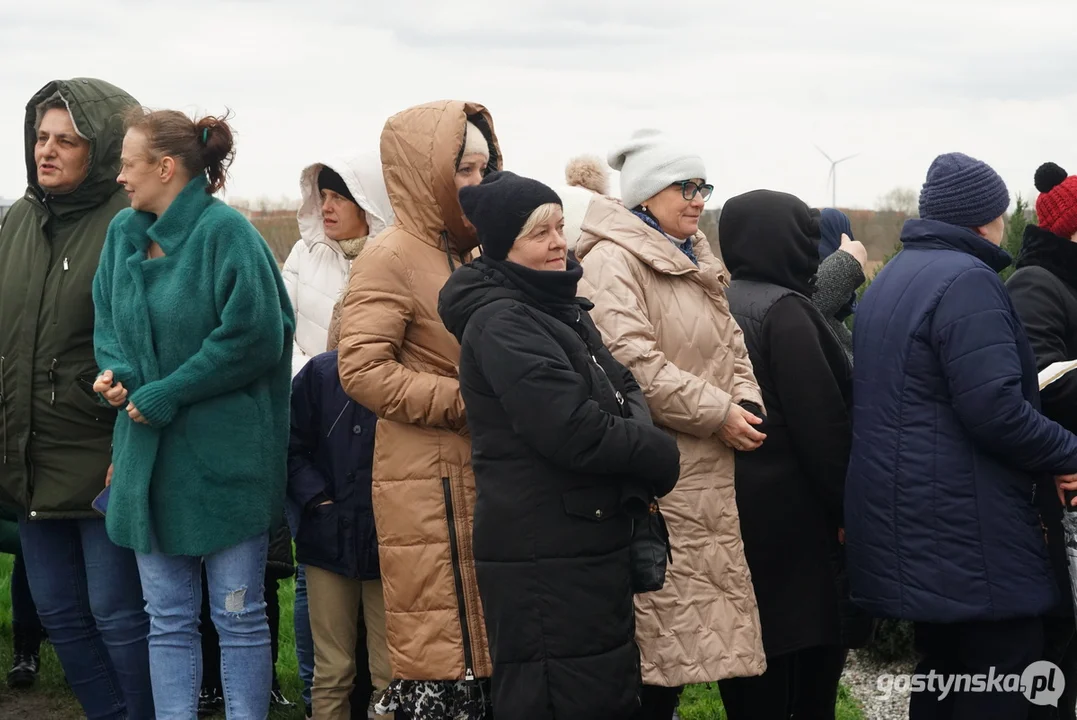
(669, 323)
(397, 358)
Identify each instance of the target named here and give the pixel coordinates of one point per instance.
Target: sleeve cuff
(154, 403)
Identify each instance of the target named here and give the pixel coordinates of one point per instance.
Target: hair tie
(205, 135)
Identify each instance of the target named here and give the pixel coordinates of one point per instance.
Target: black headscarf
(771, 237)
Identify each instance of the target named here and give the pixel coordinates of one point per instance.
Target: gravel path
(861, 677)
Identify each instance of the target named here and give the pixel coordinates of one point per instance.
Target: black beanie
(499, 208)
(329, 179)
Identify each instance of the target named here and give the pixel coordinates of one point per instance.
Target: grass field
(51, 699)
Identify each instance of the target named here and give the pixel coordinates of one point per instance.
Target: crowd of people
(543, 453)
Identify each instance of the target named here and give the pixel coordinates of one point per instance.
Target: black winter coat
(790, 490)
(562, 443)
(330, 457)
(1044, 292)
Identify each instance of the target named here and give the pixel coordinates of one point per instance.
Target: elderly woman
(563, 450)
(659, 295)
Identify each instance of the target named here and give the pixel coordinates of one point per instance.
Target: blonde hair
(541, 214)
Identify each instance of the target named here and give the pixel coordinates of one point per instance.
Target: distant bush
(280, 234)
(892, 642)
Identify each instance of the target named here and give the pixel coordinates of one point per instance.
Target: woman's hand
(108, 475)
(115, 394)
(737, 431)
(134, 414)
(1064, 483)
(854, 248)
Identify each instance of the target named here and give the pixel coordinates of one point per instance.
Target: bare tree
(901, 200)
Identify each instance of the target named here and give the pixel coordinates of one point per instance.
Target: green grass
(703, 702)
(51, 698)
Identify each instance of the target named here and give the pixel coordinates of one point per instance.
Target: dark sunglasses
(689, 190)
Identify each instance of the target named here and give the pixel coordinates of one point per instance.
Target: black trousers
(1060, 647)
(25, 626)
(802, 684)
(975, 648)
(657, 703)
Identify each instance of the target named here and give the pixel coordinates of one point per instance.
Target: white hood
(363, 176)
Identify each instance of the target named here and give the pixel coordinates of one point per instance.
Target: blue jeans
(89, 599)
(173, 588)
(304, 638)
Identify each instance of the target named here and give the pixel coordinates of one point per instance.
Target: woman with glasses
(659, 295)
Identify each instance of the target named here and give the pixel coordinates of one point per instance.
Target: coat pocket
(596, 504)
(319, 535)
(82, 398)
(225, 434)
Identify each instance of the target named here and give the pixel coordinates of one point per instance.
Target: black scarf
(553, 290)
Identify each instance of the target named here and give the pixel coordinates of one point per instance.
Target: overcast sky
(753, 84)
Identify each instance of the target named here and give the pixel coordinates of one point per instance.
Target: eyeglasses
(689, 190)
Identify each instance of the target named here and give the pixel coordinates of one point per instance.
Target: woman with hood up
(565, 457)
(841, 272)
(344, 203)
(790, 490)
(397, 359)
(659, 295)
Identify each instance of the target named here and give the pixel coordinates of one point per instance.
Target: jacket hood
(1042, 248)
(608, 219)
(468, 289)
(363, 176)
(97, 109)
(932, 234)
(420, 148)
(832, 223)
(770, 237)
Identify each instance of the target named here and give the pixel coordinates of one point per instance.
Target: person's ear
(167, 169)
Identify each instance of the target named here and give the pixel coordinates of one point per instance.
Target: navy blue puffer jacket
(330, 456)
(948, 442)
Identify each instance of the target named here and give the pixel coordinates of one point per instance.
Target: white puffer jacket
(316, 272)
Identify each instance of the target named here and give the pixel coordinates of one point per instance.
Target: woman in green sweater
(193, 335)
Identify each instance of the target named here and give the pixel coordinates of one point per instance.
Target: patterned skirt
(437, 699)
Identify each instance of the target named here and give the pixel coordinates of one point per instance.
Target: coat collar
(935, 235)
(174, 226)
(1055, 254)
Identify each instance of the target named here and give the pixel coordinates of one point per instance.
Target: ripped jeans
(172, 586)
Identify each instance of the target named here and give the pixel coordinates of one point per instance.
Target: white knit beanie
(574, 204)
(475, 142)
(649, 163)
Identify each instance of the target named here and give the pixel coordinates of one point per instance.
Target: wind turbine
(832, 178)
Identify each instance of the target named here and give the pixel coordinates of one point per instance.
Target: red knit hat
(1056, 207)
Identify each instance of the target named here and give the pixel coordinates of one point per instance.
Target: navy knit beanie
(963, 191)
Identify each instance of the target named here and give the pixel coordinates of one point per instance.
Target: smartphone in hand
(100, 503)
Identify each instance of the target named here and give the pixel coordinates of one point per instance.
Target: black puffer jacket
(557, 457)
(790, 490)
(1044, 292)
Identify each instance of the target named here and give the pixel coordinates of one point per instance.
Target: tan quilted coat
(397, 359)
(669, 322)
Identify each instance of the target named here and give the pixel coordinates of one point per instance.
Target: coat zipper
(59, 291)
(458, 578)
(616, 393)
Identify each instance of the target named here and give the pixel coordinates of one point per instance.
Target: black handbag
(650, 550)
